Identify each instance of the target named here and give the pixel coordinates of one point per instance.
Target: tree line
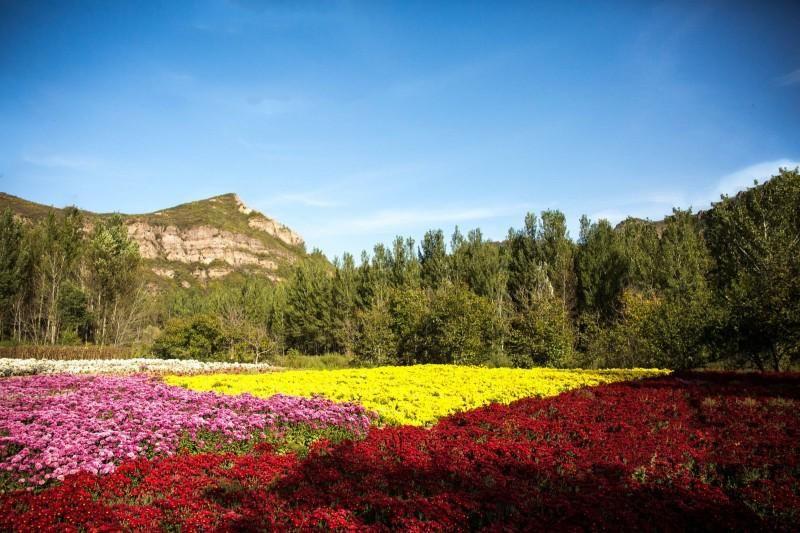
(694, 289)
(66, 280)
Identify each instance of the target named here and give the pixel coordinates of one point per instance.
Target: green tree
(376, 342)
(308, 313)
(640, 246)
(540, 332)
(461, 327)
(483, 266)
(344, 304)
(200, 337)
(557, 252)
(601, 269)
(76, 318)
(28, 303)
(524, 258)
(408, 308)
(365, 283)
(61, 248)
(404, 263)
(112, 260)
(685, 314)
(433, 259)
(755, 238)
(10, 275)
(627, 342)
(381, 267)
(456, 268)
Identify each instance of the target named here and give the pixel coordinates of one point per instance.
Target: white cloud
(306, 199)
(70, 162)
(211, 94)
(658, 204)
(743, 178)
(400, 220)
(663, 197)
(274, 106)
(792, 78)
(613, 215)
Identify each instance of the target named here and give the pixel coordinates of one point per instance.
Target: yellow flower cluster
(416, 395)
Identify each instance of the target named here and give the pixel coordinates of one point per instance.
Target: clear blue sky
(353, 122)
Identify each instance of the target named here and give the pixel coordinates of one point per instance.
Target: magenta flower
(53, 426)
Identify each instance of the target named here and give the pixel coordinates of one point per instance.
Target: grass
(328, 361)
(67, 353)
(83, 352)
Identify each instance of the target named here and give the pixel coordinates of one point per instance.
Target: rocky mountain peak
(199, 241)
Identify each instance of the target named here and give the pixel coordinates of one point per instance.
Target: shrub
(540, 334)
(199, 337)
(462, 328)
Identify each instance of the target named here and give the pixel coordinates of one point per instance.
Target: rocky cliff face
(200, 241)
(276, 229)
(203, 245)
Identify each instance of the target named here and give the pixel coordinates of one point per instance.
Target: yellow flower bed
(416, 395)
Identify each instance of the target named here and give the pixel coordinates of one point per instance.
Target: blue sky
(354, 122)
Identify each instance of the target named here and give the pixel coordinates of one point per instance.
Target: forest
(716, 288)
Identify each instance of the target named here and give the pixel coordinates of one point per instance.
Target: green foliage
(558, 254)
(540, 333)
(755, 238)
(112, 265)
(10, 275)
(665, 315)
(328, 361)
(433, 259)
(682, 293)
(460, 328)
(404, 264)
(541, 245)
(627, 342)
(640, 242)
(308, 316)
(376, 343)
(287, 438)
(345, 300)
(686, 313)
(523, 258)
(409, 310)
(76, 318)
(601, 269)
(200, 337)
(483, 266)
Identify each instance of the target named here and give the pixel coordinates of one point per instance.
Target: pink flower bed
(53, 426)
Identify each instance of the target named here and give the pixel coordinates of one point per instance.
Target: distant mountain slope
(198, 241)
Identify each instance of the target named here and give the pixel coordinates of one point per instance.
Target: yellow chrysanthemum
(416, 395)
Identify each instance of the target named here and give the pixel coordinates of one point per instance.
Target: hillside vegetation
(722, 288)
(192, 243)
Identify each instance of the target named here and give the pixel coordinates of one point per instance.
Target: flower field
(415, 395)
(54, 426)
(704, 451)
(27, 367)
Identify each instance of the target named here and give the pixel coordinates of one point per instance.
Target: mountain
(198, 241)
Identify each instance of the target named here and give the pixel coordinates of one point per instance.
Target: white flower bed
(24, 367)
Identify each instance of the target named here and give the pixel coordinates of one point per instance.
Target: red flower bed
(697, 451)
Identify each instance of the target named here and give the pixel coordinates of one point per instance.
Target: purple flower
(61, 424)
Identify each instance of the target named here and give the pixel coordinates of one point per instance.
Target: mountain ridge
(194, 242)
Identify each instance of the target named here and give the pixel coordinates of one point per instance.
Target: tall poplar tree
(433, 259)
